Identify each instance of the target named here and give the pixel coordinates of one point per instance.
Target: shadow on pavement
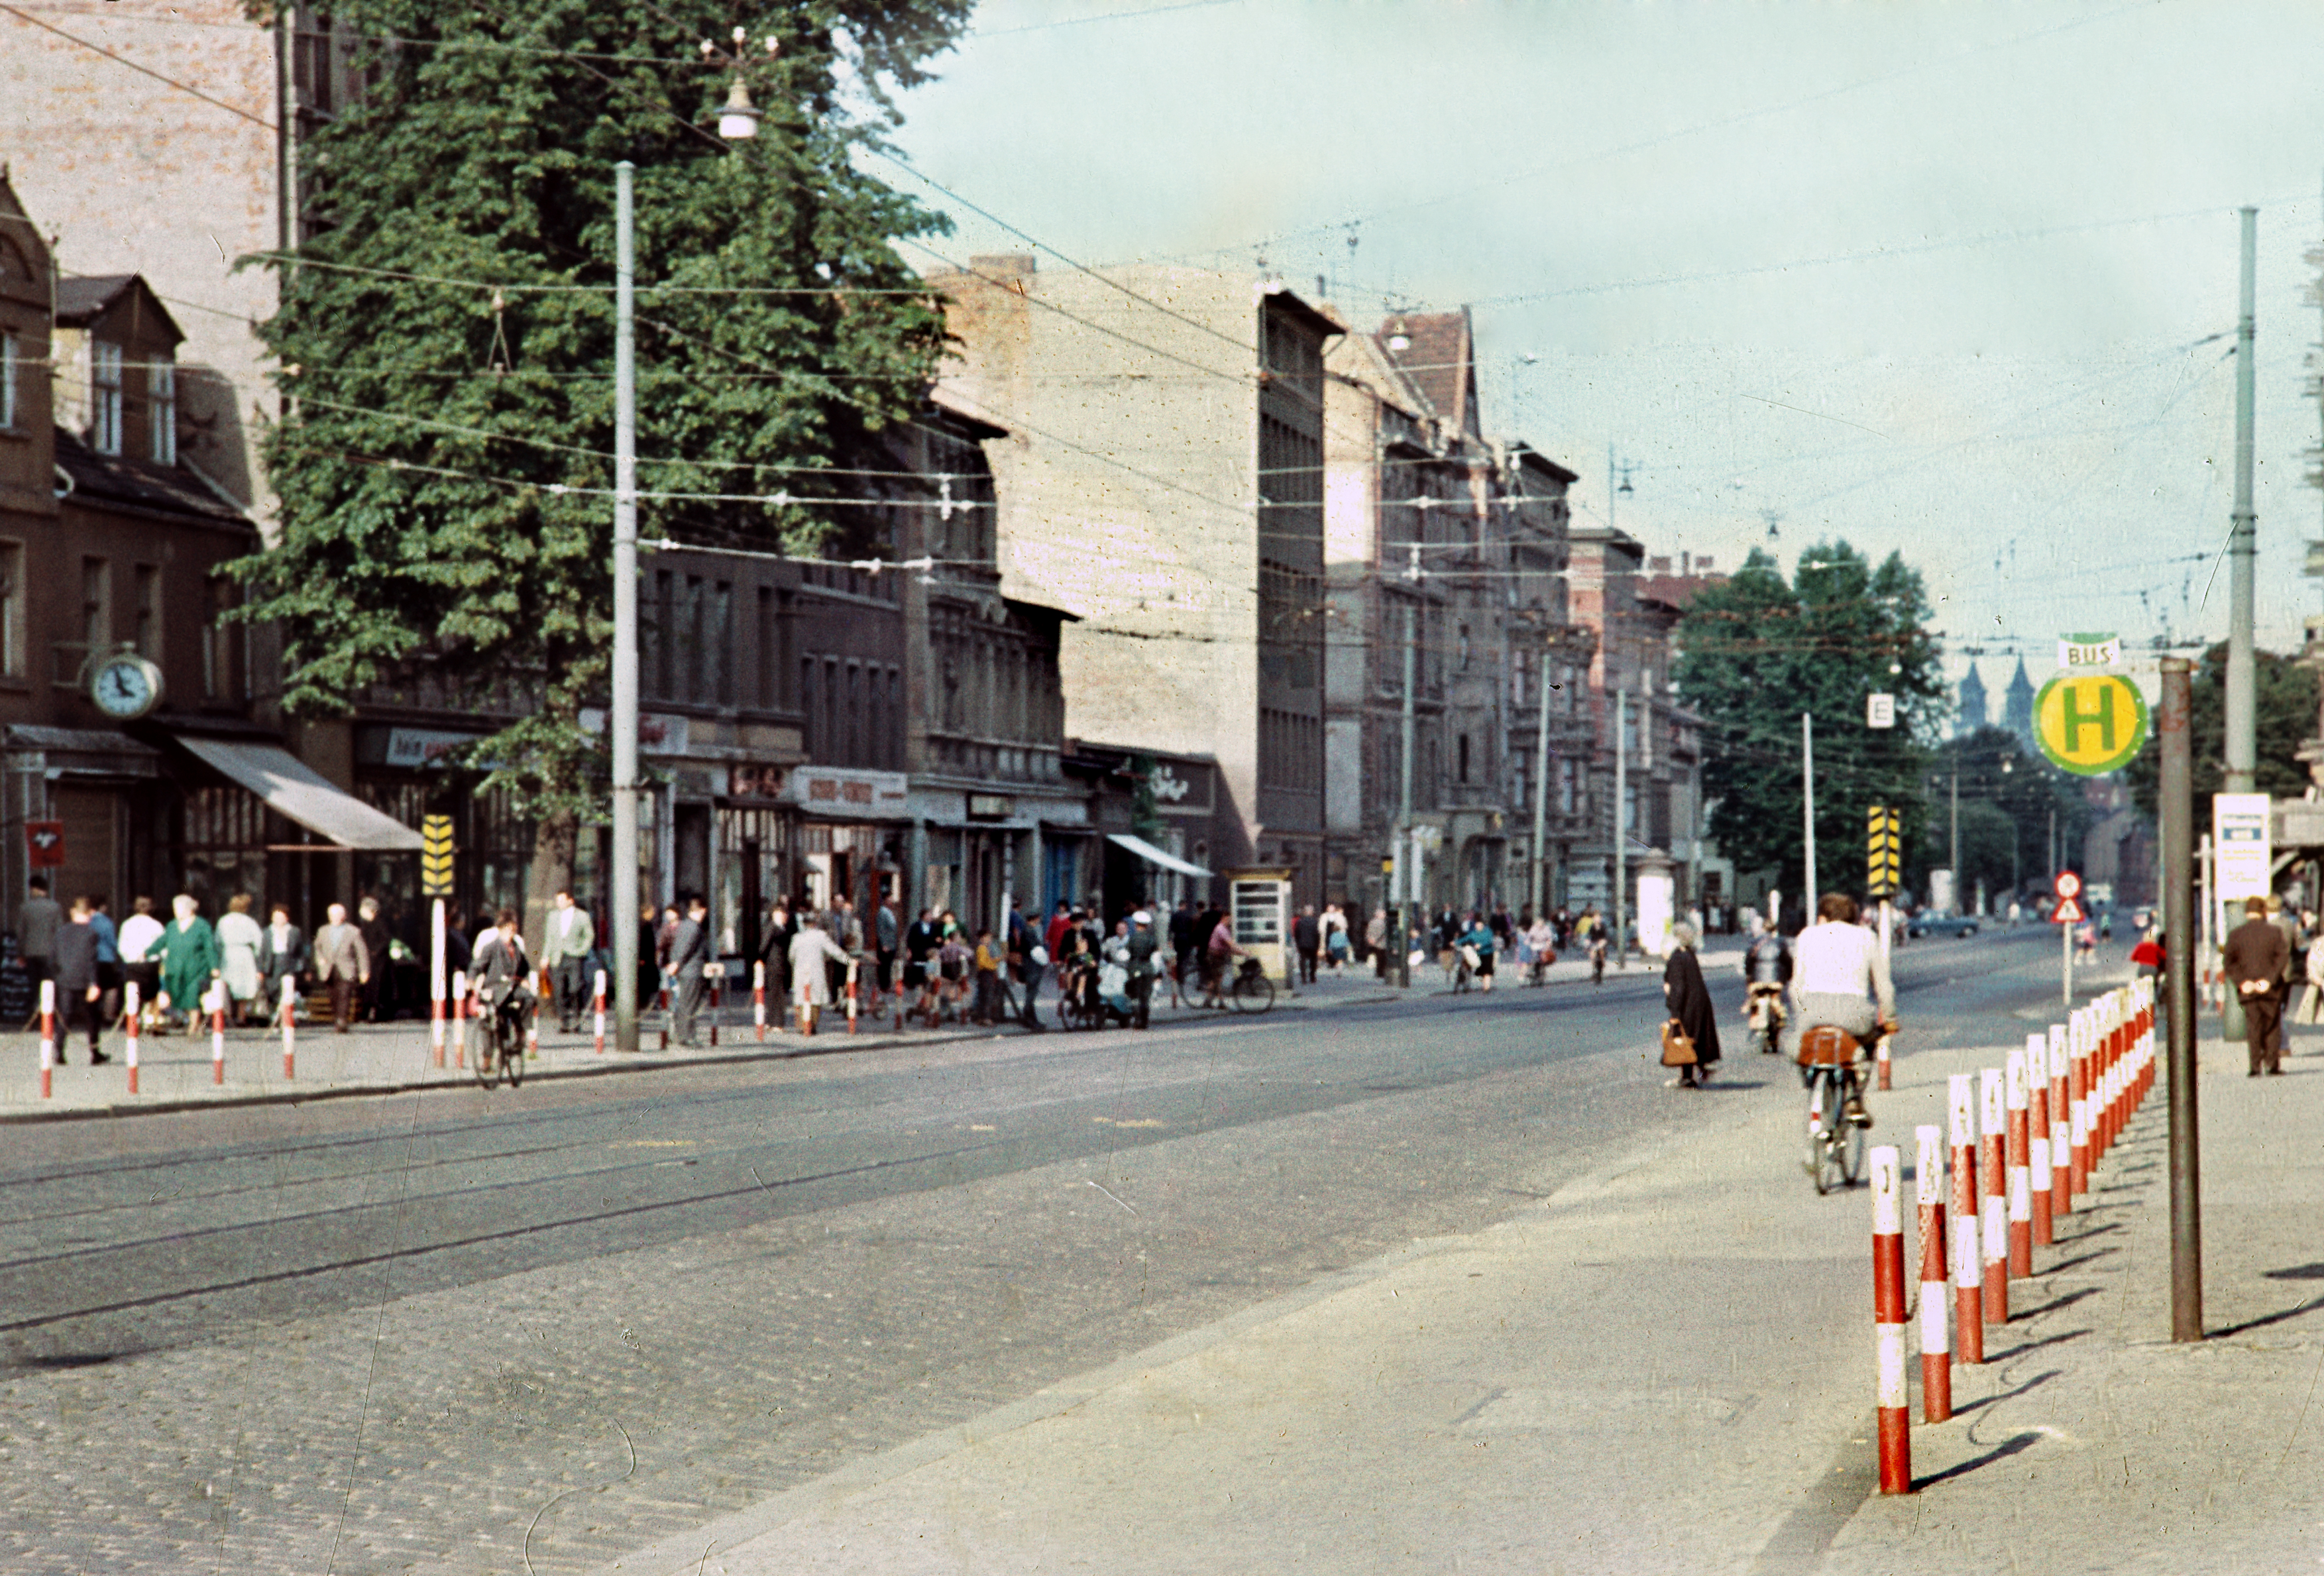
(2266, 1319)
(2038, 1380)
(2002, 1452)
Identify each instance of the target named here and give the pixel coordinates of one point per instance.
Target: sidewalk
(1668, 1366)
(175, 1071)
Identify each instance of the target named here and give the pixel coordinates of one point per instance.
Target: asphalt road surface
(408, 1334)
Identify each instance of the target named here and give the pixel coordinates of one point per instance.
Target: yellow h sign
(435, 856)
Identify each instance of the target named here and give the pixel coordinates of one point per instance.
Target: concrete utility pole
(1621, 827)
(1955, 825)
(2176, 802)
(621, 725)
(1407, 851)
(2243, 541)
(1807, 814)
(1541, 789)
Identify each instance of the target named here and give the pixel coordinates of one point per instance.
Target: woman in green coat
(189, 951)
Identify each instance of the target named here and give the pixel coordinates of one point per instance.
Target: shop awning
(1153, 855)
(301, 794)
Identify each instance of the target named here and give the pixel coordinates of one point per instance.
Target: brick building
(1162, 482)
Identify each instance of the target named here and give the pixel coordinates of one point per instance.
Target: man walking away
(1307, 936)
(74, 954)
(342, 962)
(108, 958)
(36, 935)
(378, 996)
(139, 933)
(689, 949)
(2257, 957)
(564, 953)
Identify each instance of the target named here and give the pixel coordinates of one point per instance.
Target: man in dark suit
(1307, 940)
(689, 949)
(74, 957)
(2257, 957)
(282, 956)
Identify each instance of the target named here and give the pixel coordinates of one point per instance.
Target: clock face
(126, 688)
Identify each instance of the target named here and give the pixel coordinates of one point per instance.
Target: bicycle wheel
(1823, 1135)
(515, 1057)
(1850, 1145)
(1253, 993)
(485, 1051)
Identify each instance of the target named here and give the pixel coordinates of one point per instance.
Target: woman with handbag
(1690, 1039)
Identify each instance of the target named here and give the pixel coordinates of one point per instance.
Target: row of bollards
(2025, 1139)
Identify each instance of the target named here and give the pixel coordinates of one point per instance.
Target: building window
(1566, 804)
(95, 605)
(162, 406)
(105, 397)
(12, 609)
(8, 383)
(217, 642)
(1463, 765)
(718, 655)
(149, 612)
(1464, 650)
(770, 672)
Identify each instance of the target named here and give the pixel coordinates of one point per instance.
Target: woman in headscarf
(1689, 999)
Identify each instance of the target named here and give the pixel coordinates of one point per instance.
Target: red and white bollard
(597, 1009)
(459, 1018)
(1888, 1321)
(47, 1035)
(2078, 1095)
(759, 999)
(218, 1045)
(661, 1000)
(2062, 1142)
(717, 1003)
(2021, 1191)
(436, 1012)
(1968, 1265)
(129, 1005)
(1880, 1059)
(289, 1030)
(851, 995)
(216, 1001)
(2037, 1129)
(1993, 1175)
(1936, 1343)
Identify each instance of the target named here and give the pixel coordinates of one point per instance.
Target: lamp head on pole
(738, 120)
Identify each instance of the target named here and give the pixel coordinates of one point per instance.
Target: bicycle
(496, 1043)
(1837, 1120)
(1763, 1009)
(1464, 971)
(1250, 990)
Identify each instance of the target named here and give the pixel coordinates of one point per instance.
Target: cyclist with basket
(1840, 982)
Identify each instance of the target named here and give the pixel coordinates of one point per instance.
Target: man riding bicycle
(1768, 966)
(503, 974)
(1839, 979)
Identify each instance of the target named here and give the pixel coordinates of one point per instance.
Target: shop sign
(836, 791)
(44, 844)
(990, 807)
(658, 732)
(1176, 786)
(419, 749)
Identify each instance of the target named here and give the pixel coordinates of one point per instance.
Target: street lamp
(737, 121)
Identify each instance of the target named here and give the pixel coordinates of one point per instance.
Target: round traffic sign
(2090, 723)
(2067, 885)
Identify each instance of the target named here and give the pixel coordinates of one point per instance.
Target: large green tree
(1758, 651)
(2010, 799)
(446, 338)
(2284, 718)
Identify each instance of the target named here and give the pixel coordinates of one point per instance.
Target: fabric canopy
(1153, 855)
(305, 795)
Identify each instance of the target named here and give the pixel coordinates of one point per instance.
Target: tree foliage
(446, 337)
(1758, 651)
(2284, 718)
(2008, 794)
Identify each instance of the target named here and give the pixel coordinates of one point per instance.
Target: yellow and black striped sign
(1884, 847)
(435, 856)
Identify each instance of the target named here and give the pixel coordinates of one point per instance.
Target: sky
(1958, 280)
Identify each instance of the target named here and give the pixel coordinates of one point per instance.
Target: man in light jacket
(811, 949)
(564, 953)
(342, 963)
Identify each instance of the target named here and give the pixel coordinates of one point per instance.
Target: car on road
(1941, 925)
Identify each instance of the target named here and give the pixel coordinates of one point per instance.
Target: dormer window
(8, 376)
(162, 406)
(105, 397)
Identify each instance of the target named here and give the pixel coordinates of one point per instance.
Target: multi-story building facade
(1163, 485)
(1451, 548)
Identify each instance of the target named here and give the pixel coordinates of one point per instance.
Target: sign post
(2065, 916)
(1884, 846)
(436, 883)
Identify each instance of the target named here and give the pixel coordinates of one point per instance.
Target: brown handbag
(1678, 1049)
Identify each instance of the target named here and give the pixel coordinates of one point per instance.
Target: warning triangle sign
(2068, 912)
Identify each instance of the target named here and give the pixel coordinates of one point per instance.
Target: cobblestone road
(453, 1332)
